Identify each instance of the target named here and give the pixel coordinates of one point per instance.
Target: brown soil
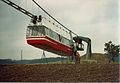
(60, 73)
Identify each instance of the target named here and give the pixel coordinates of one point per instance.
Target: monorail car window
(46, 31)
(41, 31)
(52, 34)
(28, 32)
(55, 36)
(35, 31)
(49, 32)
(65, 41)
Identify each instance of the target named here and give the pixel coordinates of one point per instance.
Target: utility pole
(44, 57)
(21, 55)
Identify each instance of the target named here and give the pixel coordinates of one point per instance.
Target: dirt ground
(60, 73)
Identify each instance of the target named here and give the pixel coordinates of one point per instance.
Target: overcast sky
(96, 19)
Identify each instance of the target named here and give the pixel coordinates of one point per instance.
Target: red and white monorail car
(44, 38)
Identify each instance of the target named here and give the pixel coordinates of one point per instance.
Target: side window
(56, 36)
(47, 31)
(40, 31)
(43, 30)
(65, 41)
(32, 31)
(35, 31)
(51, 33)
(28, 32)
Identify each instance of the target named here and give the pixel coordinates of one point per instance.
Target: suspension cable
(53, 17)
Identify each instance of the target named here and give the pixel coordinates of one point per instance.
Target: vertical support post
(72, 45)
(44, 57)
(71, 41)
(21, 55)
(88, 53)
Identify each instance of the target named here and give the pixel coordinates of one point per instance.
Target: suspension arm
(18, 8)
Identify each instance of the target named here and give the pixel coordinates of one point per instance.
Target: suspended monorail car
(43, 37)
(40, 34)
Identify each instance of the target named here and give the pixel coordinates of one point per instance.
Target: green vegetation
(111, 50)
